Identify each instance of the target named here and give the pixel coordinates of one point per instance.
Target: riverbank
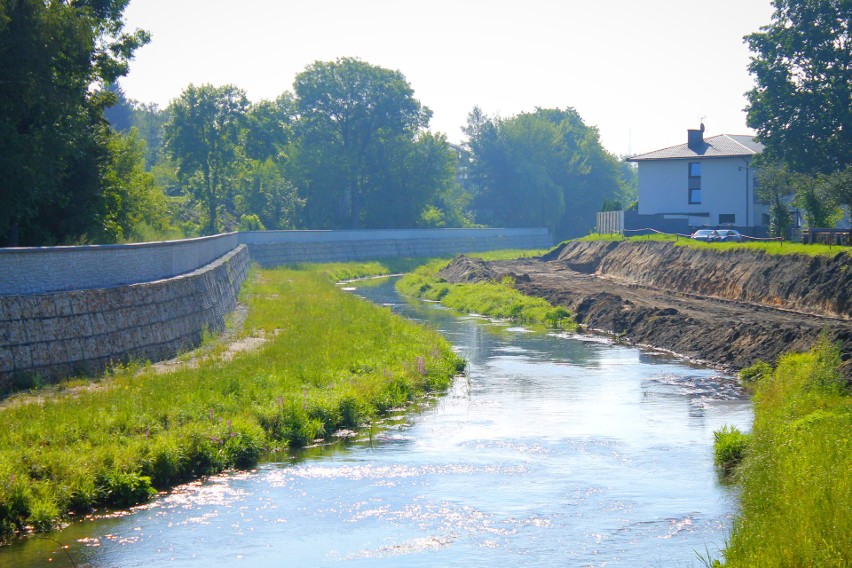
(725, 307)
(796, 499)
(472, 294)
(329, 361)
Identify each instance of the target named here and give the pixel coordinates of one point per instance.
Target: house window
(694, 182)
(727, 219)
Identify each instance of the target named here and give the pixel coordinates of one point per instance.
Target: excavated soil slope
(727, 308)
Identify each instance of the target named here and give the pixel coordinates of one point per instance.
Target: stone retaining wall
(68, 311)
(84, 331)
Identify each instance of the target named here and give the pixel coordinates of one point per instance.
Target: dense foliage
(545, 168)
(801, 107)
(56, 59)
(349, 147)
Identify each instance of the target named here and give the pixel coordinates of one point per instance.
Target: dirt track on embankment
(725, 308)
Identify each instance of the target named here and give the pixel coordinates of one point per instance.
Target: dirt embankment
(728, 308)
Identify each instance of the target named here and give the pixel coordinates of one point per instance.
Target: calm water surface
(554, 450)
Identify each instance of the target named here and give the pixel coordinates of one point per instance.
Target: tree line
(348, 147)
(801, 108)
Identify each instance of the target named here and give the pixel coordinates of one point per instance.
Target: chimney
(695, 139)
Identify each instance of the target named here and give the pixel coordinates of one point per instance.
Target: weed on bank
(330, 361)
(768, 247)
(492, 299)
(796, 499)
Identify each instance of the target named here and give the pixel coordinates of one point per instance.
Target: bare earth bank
(725, 308)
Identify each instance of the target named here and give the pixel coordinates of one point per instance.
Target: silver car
(706, 235)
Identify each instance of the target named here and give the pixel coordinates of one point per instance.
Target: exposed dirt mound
(728, 308)
(818, 285)
(463, 269)
(584, 258)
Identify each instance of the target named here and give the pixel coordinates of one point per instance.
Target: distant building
(702, 183)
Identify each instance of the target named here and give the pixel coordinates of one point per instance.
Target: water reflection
(552, 450)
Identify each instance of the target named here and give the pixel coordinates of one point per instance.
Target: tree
(801, 106)
(348, 109)
(407, 177)
(545, 168)
(267, 195)
(776, 187)
(839, 186)
(269, 128)
(203, 136)
(136, 208)
(55, 60)
(149, 120)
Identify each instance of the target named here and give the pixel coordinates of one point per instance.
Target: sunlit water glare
(553, 450)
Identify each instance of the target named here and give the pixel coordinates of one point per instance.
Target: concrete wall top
(272, 237)
(43, 270)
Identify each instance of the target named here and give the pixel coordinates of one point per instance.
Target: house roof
(721, 146)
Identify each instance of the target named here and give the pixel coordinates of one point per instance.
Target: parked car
(706, 235)
(729, 236)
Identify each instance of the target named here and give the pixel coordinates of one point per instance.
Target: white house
(706, 182)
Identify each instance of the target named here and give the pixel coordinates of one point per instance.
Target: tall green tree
(269, 128)
(348, 110)
(545, 168)
(407, 177)
(137, 208)
(203, 136)
(801, 106)
(55, 60)
(263, 191)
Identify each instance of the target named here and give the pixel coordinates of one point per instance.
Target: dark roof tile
(721, 146)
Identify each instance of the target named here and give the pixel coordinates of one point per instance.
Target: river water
(553, 450)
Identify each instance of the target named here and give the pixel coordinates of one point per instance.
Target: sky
(641, 71)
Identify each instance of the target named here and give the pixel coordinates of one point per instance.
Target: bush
(124, 488)
(757, 372)
(729, 448)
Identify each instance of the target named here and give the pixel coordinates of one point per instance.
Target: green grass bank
(492, 299)
(769, 247)
(796, 499)
(327, 361)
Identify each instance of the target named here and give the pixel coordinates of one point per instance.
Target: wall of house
(663, 189)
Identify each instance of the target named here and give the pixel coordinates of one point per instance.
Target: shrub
(124, 488)
(756, 372)
(729, 448)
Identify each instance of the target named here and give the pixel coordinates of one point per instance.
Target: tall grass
(494, 299)
(796, 501)
(331, 361)
(341, 271)
(769, 247)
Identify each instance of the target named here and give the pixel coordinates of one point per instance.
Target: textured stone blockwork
(68, 311)
(84, 331)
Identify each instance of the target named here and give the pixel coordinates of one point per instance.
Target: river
(553, 450)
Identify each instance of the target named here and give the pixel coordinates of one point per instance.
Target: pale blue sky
(642, 71)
